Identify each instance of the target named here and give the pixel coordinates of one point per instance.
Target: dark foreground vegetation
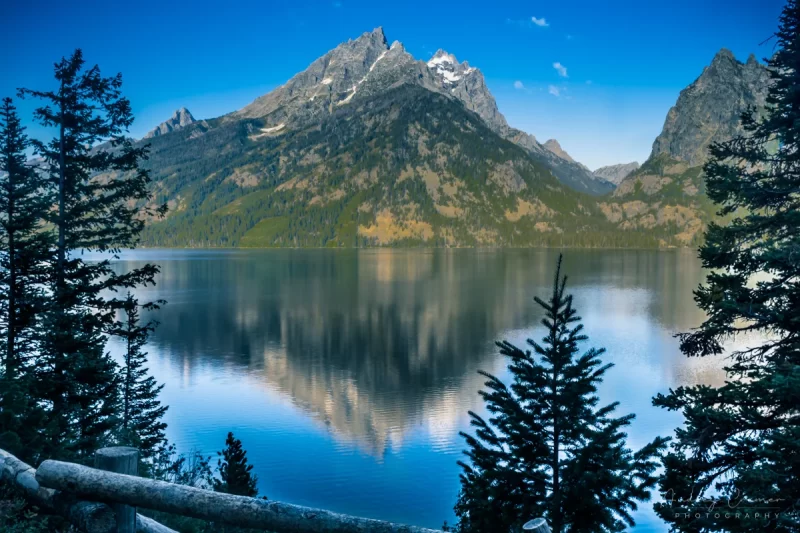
(548, 447)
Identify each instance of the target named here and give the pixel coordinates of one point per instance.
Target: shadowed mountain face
(708, 110)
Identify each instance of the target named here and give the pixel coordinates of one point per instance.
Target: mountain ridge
(708, 110)
(402, 152)
(362, 67)
(181, 118)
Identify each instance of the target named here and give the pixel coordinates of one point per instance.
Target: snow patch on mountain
(448, 68)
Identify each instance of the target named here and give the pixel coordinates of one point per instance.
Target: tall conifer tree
(140, 411)
(24, 252)
(547, 449)
(100, 194)
(740, 445)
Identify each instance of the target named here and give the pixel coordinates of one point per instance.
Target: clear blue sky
(625, 61)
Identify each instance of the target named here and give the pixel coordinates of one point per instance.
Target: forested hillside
(406, 167)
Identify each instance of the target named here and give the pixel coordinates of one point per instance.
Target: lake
(347, 374)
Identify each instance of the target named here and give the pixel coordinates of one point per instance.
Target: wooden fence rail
(88, 516)
(95, 501)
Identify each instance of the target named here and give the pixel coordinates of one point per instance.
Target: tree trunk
(11, 363)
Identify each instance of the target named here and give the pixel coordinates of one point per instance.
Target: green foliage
(265, 233)
(17, 516)
(97, 190)
(192, 469)
(740, 445)
(140, 414)
(547, 449)
(235, 475)
(24, 250)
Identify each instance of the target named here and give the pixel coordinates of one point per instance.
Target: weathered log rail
(88, 516)
(99, 501)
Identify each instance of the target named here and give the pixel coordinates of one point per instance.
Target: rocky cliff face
(709, 109)
(467, 84)
(669, 188)
(616, 173)
(179, 119)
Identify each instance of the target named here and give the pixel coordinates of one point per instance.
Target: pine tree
(100, 194)
(739, 448)
(141, 412)
(547, 449)
(24, 251)
(233, 470)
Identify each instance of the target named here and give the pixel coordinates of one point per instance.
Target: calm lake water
(348, 374)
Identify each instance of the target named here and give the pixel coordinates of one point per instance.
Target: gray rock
(179, 119)
(332, 79)
(553, 146)
(616, 173)
(467, 84)
(709, 109)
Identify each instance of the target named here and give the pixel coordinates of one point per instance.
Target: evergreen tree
(233, 470)
(547, 449)
(740, 443)
(24, 251)
(140, 410)
(100, 194)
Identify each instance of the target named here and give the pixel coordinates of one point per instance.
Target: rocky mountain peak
(448, 69)
(616, 173)
(179, 119)
(709, 109)
(723, 55)
(554, 147)
(367, 66)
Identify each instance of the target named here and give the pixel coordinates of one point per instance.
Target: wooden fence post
(122, 460)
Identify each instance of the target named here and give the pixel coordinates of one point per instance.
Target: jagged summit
(441, 56)
(179, 119)
(709, 109)
(362, 68)
(553, 146)
(724, 54)
(448, 68)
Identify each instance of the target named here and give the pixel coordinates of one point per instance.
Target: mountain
(708, 110)
(616, 173)
(371, 147)
(368, 65)
(554, 147)
(669, 188)
(179, 119)
(407, 166)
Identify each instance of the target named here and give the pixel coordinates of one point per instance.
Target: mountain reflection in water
(348, 374)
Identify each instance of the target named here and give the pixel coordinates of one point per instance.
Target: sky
(598, 76)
